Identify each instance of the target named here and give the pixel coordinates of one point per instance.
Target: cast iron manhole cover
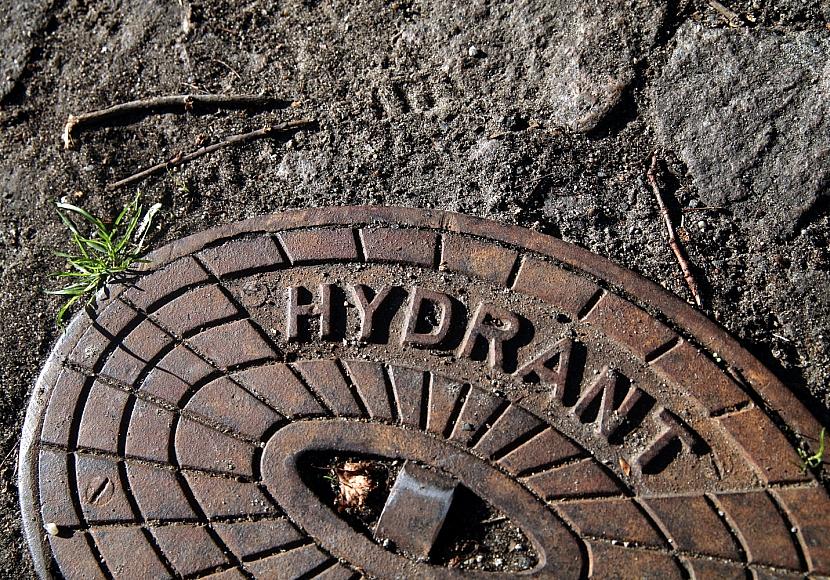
(406, 393)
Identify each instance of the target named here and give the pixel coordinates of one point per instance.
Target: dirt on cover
(542, 113)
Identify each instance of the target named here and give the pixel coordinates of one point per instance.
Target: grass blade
(105, 256)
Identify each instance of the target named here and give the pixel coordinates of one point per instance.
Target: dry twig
(674, 243)
(706, 208)
(731, 17)
(182, 103)
(11, 451)
(232, 140)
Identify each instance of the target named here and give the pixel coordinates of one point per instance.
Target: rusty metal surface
(616, 427)
(416, 509)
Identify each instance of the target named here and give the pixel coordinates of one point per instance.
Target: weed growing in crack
(811, 461)
(104, 255)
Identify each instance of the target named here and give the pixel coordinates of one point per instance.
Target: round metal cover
(499, 377)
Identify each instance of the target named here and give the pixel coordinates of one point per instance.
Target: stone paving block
(763, 533)
(128, 554)
(148, 435)
(694, 526)
(414, 247)
(246, 539)
(232, 344)
(159, 493)
(151, 291)
(278, 385)
(75, 557)
(774, 158)
(219, 496)
(564, 291)
(291, 564)
(239, 257)
(101, 491)
(305, 246)
(614, 519)
(188, 548)
(195, 310)
(223, 401)
(478, 259)
(101, 422)
(203, 447)
(629, 325)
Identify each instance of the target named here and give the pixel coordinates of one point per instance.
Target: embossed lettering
(368, 307)
(600, 403)
(674, 437)
(296, 310)
(551, 367)
(493, 325)
(440, 326)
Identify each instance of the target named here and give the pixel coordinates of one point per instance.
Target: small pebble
(473, 51)
(518, 548)
(51, 528)
(467, 427)
(498, 562)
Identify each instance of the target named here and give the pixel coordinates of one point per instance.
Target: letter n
(613, 404)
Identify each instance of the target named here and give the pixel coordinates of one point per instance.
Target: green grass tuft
(104, 255)
(811, 461)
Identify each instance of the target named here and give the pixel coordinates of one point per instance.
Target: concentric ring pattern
(146, 436)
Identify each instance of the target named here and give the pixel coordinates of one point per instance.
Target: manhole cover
(405, 393)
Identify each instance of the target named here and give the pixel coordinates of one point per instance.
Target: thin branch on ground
(229, 67)
(11, 451)
(180, 103)
(706, 208)
(674, 243)
(237, 139)
(731, 17)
